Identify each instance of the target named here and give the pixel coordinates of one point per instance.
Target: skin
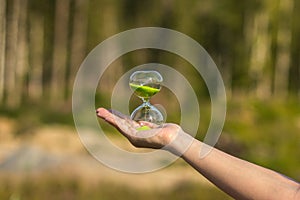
(238, 178)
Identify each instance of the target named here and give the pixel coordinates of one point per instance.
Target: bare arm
(238, 178)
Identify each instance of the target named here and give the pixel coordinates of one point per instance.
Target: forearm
(239, 178)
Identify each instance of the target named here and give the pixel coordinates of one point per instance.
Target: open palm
(156, 137)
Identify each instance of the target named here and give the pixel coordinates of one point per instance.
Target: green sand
(144, 91)
(143, 128)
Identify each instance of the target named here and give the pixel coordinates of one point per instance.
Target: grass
(73, 189)
(29, 117)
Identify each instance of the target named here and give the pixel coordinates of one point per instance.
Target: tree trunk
(283, 48)
(2, 46)
(110, 14)
(79, 39)
(58, 79)
(260, 49)
(294, 74)
(22, 53)
(35, 87)
(12, 44)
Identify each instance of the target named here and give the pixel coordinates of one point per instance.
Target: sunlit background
(254, 43)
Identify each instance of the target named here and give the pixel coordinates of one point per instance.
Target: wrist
(180, 143)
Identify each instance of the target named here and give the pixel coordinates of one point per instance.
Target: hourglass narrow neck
(146, 101)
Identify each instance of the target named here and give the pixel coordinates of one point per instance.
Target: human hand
(156, 137)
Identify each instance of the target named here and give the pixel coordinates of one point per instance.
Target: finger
(107, 116)
(116, 118)
(121, 124)
(119, 114)
(128, 120)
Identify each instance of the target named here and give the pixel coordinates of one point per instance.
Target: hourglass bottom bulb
(148, 113)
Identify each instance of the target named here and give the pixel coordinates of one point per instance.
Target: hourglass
(145, 84)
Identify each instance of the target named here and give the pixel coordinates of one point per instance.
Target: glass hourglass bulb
(146, 84)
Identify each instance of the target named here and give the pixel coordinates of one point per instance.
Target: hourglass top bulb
(145, 84)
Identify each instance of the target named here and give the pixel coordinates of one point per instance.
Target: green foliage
(267, 131)
(31, 116)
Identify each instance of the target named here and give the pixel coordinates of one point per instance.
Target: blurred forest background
(255, 44)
